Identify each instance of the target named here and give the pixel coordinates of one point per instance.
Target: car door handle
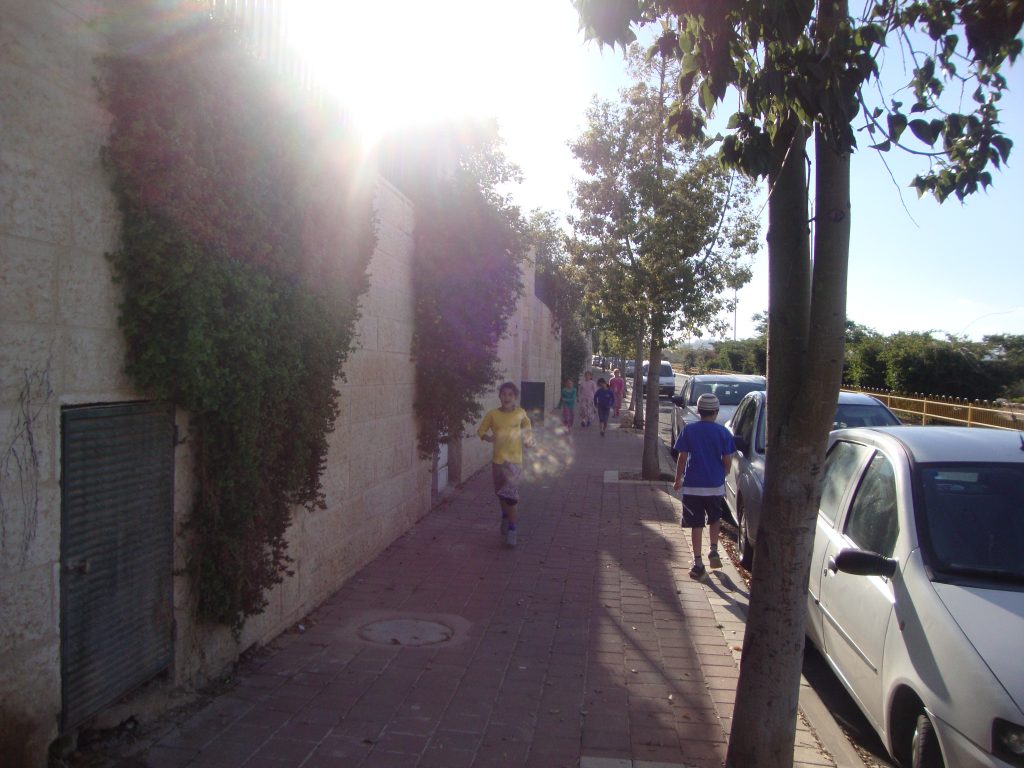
(832, 564)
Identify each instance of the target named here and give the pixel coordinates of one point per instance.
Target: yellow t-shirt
(509, 429)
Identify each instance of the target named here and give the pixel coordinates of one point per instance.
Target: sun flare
(418, 63)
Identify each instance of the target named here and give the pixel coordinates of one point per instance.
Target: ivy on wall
(466, 282)
(246, 236)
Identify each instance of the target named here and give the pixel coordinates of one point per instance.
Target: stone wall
(62, 346)
(60, 341)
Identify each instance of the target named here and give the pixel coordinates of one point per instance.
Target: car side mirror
(678, 400)
(862, 563)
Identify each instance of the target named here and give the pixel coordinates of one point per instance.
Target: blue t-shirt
(705, 443)
(604, 399)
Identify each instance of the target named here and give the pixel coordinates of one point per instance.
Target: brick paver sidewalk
(587, 645)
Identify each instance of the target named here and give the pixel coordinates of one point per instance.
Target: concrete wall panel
(27, 280)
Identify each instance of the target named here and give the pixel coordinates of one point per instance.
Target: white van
(666, 378)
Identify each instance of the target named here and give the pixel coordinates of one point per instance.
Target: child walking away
(568, 403)
(705, 456)
(604, 399)
(507, 428)
(618, 386)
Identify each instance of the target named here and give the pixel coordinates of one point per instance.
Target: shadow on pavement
(846, 713)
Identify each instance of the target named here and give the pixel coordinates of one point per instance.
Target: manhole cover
(406, 632)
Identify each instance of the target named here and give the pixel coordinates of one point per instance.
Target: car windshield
(727, 392)
(864, 415)
(973, 518)
(847, 415)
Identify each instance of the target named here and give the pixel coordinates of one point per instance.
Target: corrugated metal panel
(117, 502)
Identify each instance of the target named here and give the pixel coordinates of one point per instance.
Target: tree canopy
(661, 228)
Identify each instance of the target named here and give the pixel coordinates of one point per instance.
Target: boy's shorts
(506, 481)
(602, 414)
(697, 509)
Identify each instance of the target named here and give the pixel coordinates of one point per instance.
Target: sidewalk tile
(587, 646)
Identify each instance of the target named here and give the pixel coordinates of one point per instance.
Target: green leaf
(954, 126)
(1003, 145)
(870, 34)
(926, 71)
(707, 97)
(689, 64)
(897, 124)
(922, 129)
(950, 45)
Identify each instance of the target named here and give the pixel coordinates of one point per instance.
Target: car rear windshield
(664, 372)
(727, 392)
(864, 415)
(972, 518)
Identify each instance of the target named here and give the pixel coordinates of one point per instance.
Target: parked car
(666, 378)
(630, 369)
(745, 482)
(729, 388)
(916, 591)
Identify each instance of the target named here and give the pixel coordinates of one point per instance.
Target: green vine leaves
(467, 250)
(246, 234)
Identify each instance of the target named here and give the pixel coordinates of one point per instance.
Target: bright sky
(915, 265)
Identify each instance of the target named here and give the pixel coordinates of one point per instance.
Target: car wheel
(746, 549)
(924, 749)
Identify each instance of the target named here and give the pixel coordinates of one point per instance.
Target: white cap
(707, 402)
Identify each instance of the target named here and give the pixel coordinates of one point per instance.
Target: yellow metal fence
(978, 413)
(938, 410)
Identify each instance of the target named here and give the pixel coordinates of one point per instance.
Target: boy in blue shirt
(604, 399)
(705, 457)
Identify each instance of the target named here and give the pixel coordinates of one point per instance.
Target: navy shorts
(698, 510)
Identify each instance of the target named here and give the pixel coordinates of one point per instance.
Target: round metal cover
(412, 632)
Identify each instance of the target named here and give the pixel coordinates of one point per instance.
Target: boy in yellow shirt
(507, 428)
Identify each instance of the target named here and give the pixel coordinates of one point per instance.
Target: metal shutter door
(117, 501)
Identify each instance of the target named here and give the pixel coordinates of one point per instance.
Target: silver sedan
(745, 483)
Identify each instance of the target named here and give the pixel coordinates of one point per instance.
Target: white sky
(952, 268)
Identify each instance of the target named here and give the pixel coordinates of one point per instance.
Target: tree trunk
(651, 465)
(635, 401)
(804, 385)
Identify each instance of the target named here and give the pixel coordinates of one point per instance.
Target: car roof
(856, 398)
(845, 398)
(933, 444)
(713, 377)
